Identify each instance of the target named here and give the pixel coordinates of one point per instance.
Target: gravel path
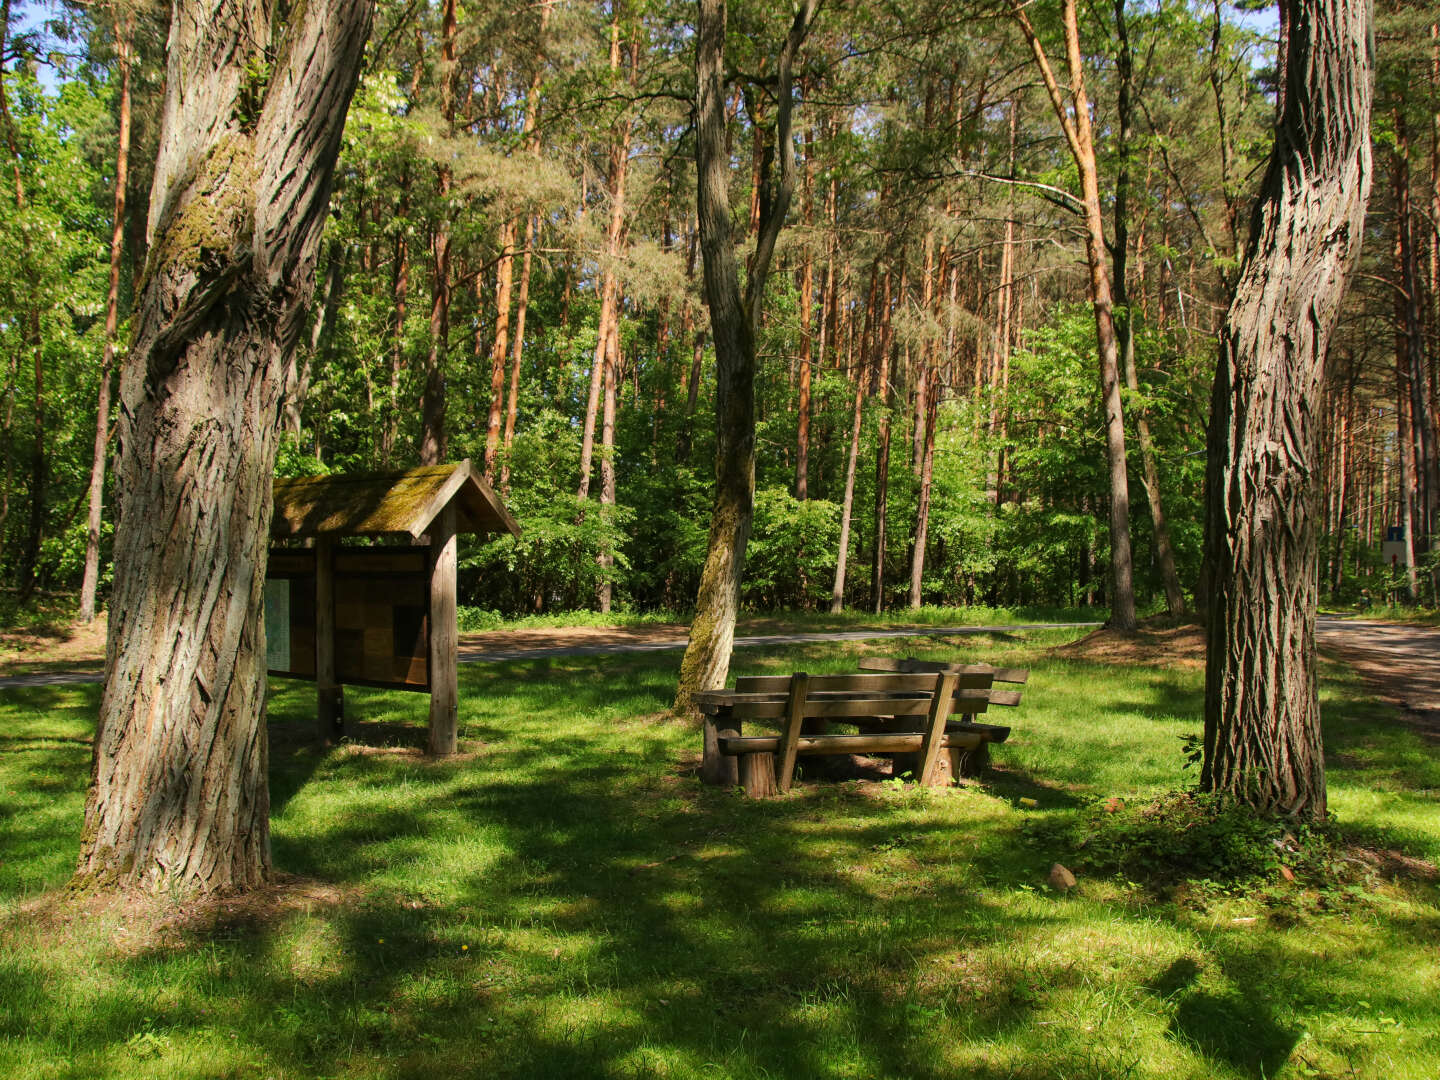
(1404, 661)
(485, 653)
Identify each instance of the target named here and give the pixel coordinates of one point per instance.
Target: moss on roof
(388, 504)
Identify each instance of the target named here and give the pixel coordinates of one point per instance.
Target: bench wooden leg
(716, 768)
(757, 774)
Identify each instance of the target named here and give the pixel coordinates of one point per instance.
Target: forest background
(511, 272)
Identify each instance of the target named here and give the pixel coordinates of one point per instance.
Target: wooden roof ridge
(388, 504)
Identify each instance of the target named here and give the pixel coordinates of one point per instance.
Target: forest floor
(564, 898)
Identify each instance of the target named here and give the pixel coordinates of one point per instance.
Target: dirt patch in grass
(1394, 864)
(568, 637)
(1156, 643)
(140, 921)
(29, 650)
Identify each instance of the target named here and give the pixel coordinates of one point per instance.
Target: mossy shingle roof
(388, 504)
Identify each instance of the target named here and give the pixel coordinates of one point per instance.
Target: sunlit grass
(564, 899)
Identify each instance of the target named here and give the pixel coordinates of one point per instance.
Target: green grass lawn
(565, 900)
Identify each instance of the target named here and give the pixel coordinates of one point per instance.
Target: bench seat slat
(811, 745)
(995, 733)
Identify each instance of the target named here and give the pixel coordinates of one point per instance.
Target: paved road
(475, 655)
(1405, 659)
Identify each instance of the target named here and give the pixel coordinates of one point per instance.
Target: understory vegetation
(565, 898)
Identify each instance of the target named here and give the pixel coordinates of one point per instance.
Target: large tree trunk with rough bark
(732, 321)
(178, 795)
(1262, 711)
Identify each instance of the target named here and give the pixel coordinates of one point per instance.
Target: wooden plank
(402, 561)
(795, 708)
(923, 682)
(906, 664)
(444, 636)
(995, 733)
(935, 725)
(772, 706)
(819, 745)
(330, 712)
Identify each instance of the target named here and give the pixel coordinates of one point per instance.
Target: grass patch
(565, 900)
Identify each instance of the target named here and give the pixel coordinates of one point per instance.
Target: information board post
(331, 703)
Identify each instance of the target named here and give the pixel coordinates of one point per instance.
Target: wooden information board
(290, 613)
(381, 615)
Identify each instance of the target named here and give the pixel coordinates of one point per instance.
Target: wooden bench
(924, 701)
(1005, 690)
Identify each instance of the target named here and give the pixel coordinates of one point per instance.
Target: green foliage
(791, 558)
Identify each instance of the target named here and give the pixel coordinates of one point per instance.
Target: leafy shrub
(1207, 841)
(791, 558)
(472, 619)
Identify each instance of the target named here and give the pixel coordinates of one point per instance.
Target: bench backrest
(1010, 676)
(839, 696)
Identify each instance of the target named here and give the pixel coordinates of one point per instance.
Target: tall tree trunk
(500, 349)
(1125, 323)
(1412, 325)
(882, 454)
(1406, 516)
(807, 321)
(532, 236)
(1262, 710)
(124, 33)
(522, 306)
(922, 511)
(1082, 148)
(606, 558)
(1342, 472)
(733, 318)
(610, 280)
(400, 292)
(433, 436)
(178, 796)
(847, 503)
(31, 338)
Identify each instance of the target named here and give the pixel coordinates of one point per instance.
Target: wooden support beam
(444, 636)
(794, 720)
(935, 727)
(330, 695)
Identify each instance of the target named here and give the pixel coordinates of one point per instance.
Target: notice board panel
(382, 617)
(290, 613)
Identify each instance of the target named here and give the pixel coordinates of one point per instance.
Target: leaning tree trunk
(1262, 711)
(732, 321)
(178, 794)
